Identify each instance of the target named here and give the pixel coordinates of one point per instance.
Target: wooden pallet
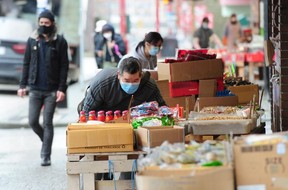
(81, 170)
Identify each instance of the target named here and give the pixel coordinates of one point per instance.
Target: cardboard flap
(245, 93)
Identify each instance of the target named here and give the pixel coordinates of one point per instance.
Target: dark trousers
(38, 99)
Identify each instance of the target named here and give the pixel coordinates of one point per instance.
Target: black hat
(47, 14)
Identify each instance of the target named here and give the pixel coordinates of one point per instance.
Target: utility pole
(157, 16)
(82, 26)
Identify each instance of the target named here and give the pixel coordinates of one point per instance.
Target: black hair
(152, 38)
(205, 19)
(130, 65)
(233, 15)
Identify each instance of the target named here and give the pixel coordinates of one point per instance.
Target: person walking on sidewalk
(233, 33)
(204, 35)
(45, 72)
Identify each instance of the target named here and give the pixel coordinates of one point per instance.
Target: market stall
(200, 101)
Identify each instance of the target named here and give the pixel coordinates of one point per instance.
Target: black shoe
(45, 161)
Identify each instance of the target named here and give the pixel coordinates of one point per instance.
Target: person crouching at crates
(117, 88)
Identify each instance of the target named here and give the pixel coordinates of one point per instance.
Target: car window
(15, 29)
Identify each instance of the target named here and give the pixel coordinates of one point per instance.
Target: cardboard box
(153, 74)
(245, 93)
(207, 88)
(163, 86)
(217, 101)
(261, 166)
(222, 127)
(268, 52)
(185, 88)
(109, 137)
(149, 137)
(191, 70)
(209, 178)
(172, 102)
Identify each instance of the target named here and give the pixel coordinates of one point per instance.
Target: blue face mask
(129, 88)
(154, 50)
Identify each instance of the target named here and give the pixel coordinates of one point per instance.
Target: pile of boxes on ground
(202, 83)
(258, 161)
(270, 165)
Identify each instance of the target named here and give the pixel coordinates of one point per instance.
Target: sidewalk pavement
(14, 110)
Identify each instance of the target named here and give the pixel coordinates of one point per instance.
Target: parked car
(13, 37)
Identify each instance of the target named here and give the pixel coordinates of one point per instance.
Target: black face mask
(45, 29)
(233, 22)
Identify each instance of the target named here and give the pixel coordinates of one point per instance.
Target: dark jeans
(38, 99)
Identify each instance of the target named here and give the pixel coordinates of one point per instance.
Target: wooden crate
(81, 170)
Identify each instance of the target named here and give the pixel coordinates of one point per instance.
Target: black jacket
(100, 44)
(56, 59)
(105, 92)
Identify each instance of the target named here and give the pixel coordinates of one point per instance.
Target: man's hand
(21, 92)
(60, 96)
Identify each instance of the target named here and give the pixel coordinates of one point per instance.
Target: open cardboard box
(149, 137)
(220, 127)
(216, 101)
(196, 178)
(245, 93)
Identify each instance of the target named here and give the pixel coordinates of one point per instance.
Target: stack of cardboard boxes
(184, 77)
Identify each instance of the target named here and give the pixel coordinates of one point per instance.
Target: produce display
(208, 153)
(149, 114)
(231, 81)
(221, 113)
(153, 121)
(220, 109)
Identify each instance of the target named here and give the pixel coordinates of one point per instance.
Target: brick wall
(279, 16)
